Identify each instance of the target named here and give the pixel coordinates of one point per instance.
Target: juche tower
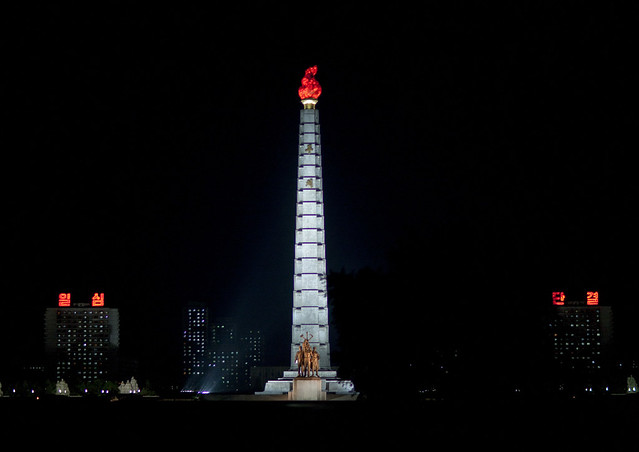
(310, 301)
(310, 308)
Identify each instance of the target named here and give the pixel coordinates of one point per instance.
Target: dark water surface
(610, 423)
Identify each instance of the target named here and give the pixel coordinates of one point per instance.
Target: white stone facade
(310, 306)
(310, 303)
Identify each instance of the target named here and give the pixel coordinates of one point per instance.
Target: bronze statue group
(307, 360)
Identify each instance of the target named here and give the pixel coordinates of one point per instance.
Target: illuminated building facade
(252, 346)
(232, 353)
(82, 340)
(224, 356)
(195, 340)
(218, 354)
(581, 332)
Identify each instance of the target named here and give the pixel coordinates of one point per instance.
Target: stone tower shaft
(310, 306)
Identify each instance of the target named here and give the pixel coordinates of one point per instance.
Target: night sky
(150, 153)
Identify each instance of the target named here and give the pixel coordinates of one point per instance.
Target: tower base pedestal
(307, 388)
(330, 386)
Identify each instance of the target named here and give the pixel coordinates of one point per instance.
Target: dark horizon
(482, 154)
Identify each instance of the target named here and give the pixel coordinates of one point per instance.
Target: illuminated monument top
(310, 305)
(310, 90)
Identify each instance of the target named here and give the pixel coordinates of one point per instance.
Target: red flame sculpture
(310, 88)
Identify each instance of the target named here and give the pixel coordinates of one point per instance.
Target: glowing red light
(64, 300)
(310, 88)
(558, 298)
(97, 300)
(592, 298)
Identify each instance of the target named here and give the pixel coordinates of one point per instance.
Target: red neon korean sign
(592, 298)
(558, 298)
(97, 300)
(64, 300)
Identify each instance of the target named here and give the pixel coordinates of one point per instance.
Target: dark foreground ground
(610, 423)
